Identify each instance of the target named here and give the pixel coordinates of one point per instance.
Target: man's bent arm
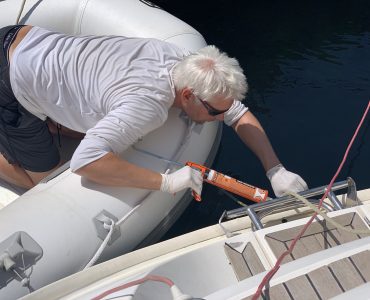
(113, 171)
(252, 134)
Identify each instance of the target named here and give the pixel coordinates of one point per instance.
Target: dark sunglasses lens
(214, 112)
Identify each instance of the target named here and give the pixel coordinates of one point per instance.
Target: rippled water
(308, 67)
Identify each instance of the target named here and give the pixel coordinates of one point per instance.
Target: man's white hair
(209, 73)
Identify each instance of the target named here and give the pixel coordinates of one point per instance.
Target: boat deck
(322, 283)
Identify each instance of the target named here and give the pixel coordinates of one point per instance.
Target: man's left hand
(283, 181)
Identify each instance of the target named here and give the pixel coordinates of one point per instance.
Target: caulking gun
(220, 180)
(229, 184)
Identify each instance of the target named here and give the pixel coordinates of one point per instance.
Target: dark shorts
(24, 139)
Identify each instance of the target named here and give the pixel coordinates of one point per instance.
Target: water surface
(308, 68)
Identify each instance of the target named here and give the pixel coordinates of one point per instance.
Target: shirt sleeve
(235, 112)
(119, 129)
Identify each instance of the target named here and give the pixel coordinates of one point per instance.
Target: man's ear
(187, 94)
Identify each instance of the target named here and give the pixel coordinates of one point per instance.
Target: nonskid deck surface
(327, 281)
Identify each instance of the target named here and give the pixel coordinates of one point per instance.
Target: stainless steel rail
(257, 211)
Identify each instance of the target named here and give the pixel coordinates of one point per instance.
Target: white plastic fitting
(178, 295)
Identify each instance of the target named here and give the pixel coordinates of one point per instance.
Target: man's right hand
(186, 177)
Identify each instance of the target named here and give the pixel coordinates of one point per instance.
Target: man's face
(201, 111)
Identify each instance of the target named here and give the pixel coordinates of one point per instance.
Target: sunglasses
(211, 110)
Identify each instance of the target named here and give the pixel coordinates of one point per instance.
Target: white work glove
(283, 181)
(184, 178)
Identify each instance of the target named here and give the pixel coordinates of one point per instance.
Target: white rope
(102, 246)
(172, 160)
(328, 219)
(20, 11)
(125, 217)
(105, 242)
(189, 129)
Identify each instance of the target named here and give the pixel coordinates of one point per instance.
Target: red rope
(133, 283)
(272, 272)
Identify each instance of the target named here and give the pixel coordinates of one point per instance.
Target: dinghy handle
(18, 253)
(102, 223)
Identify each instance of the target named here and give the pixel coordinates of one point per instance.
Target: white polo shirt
(114, 89)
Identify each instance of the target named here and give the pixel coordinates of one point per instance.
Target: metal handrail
(259, 210)
(293, 205)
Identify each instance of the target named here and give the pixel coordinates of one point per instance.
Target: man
(116, 90)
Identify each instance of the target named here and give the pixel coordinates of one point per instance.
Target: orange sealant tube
(229, 184)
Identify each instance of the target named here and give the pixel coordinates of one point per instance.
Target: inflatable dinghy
(66, 223)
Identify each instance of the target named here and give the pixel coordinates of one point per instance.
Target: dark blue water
(308, 68)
